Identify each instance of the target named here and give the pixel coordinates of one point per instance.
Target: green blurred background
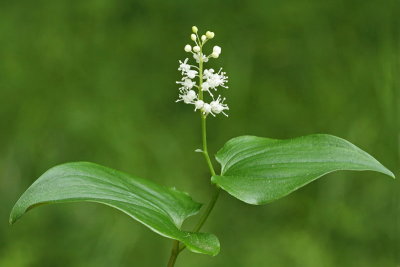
(95, 80)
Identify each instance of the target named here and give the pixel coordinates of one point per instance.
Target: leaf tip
(216, 249)
(387, 172)
(216, 252)
(12, 219)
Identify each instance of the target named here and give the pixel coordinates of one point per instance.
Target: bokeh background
(95, 80)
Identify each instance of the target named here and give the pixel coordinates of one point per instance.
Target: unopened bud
(217, 49)
(214, 55)
(203, 38)
(196, 49)
(210, 35)
(188, 48)
(194, 29)
(193, 37)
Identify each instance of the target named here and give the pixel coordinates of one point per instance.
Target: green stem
(205, 149)
(204, 117)
(174, 253)
(208, 210)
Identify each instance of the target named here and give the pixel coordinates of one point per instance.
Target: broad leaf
(159, 208)
(259, 170)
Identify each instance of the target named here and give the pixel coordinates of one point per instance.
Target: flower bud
(214, 55)
(203, 38)
(194, 29)
(217, 49)
(210, 35)
(196, 49)
(193, 37)
(188, 48)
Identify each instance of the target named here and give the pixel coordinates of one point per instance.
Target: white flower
(218, 106)
(197, 56)
(187, 96)
(206, 109)
(183, 66)
(196, 49)
(203, 38)
(191, 74)
(188, 48)
(187, 84)
(190, 96)
(207, 73)
(213, 80)
(198, 104)
(205, 87)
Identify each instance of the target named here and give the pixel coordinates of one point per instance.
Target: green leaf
(260, 170)
(159, 208)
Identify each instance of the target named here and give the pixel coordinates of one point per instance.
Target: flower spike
(208, 79)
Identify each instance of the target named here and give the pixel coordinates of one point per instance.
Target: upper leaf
(159, 208)
(259, 170)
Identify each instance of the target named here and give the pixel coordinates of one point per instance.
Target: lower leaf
(161, 209)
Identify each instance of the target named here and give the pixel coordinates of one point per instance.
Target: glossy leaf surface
(161, 209)
(259, 170)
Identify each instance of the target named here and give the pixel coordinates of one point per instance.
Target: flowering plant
(255, 170)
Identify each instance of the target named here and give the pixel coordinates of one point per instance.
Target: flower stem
(203, 117)
(176, 248)
(205, 148)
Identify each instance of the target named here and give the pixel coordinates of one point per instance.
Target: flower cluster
(193, 93)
